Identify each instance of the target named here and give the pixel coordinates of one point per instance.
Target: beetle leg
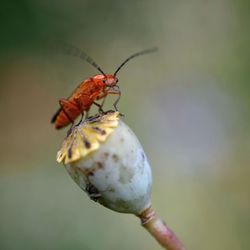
(82, 115)
(115, 92)
(104, 94)
(117, 100)
(101, 96)
(99, 106)
(104, 98)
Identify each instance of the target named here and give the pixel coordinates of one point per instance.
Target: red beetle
(90, 91)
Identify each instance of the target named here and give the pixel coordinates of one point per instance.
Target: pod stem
(159, 230)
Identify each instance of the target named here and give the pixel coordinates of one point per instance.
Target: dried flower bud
(105, 158)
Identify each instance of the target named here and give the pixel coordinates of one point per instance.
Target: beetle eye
(104, 81)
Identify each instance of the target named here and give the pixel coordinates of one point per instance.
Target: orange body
(89, 91)
(81, 100)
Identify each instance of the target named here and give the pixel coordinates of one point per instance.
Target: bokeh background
(189, 105)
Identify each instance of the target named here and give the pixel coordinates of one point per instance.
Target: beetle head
(107, 80)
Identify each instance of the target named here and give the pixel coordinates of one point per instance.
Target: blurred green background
(189, 105)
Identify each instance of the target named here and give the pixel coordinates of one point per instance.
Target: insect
(89, 91)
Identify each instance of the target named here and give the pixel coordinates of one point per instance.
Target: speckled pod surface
(117, 174)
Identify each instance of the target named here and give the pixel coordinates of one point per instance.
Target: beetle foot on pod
(105, 158)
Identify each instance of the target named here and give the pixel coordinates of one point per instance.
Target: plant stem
(159, 230)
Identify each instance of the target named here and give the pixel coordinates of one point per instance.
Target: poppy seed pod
(105, 158)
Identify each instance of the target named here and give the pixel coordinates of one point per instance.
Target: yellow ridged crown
(87, 137)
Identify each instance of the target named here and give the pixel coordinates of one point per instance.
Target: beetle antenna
(88, 59)
(135, 55)
(74, 51)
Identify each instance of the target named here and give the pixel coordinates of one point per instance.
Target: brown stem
(159, 230)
